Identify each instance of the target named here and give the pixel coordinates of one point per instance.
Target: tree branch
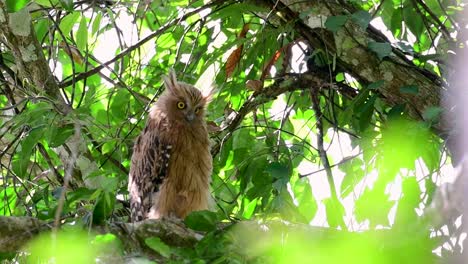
(156, 33)
(287, 83)
(19, 36)
(359, 61)
(15, 232)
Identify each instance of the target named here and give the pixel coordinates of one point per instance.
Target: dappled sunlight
(324, 136)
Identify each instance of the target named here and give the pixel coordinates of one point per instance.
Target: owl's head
(183, 102)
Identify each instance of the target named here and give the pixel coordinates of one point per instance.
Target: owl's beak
(190, 116)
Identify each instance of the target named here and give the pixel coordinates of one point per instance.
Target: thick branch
(15, 232)
(322, 152)
(349, 45)
(19, 35)
(263, 237)
(290, 83)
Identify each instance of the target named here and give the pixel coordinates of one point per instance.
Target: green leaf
(278, 170)
(406, 213)
(335, 212)
(382, 49)
(280, 175)
(373, 205)
(82, 34)
(46, 3)
(353, 175)
(159, 246)
(249, 209)
(432, 113)
(42, 28)
(413, 20)
(96, 23)
(395, 22)
(307, 205)
(396, 111)
(80, 194)
(362, 18)
(8, 199)
(334, 23)
(16, 5)
(409, 89)
(375, 85)
(21, 159)
(365, 113)
(67, 4)
(67, 23)
(103, 208)
(109, 242)
(201, 220)
(56, 136)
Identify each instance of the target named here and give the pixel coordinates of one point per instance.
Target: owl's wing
(150, 162)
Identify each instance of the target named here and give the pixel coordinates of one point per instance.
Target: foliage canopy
(318, 118)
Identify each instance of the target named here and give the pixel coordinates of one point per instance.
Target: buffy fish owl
(171, 165)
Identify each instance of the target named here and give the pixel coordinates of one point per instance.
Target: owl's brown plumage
(171, 164)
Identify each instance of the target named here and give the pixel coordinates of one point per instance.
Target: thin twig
(68, 174)
(47, 158)
(158, 32)
(320, 146)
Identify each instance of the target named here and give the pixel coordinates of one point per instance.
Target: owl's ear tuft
(208, 94)
(170, 81)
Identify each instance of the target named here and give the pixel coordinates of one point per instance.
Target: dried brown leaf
(73, 52)
(234, 57)
(233, 60)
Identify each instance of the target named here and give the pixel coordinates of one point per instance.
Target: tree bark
(33, 73)
(349, 46)
(16, 232)
(252, 238)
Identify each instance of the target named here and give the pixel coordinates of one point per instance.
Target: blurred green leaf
(406, 214)
(82, 34)
(373, 205)
(382, 49)
(250, 208)
(375, 85)
(47, 3)
(396, 21)
(413, 20)
(335, 212)
(409, 89)
(70, 246)
(103, 207)
(334, 23)
(159, 246)
(96, 23)
(432, 113)
(67, 4)
(57, 135)
(353, 174)
(307, 205)
(16, 5)
(362, 18)
(201, 220)
(22, 157)
(67, 23)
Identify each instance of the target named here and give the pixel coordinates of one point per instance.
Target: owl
(171, 165)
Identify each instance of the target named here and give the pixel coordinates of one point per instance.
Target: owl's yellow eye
(180, 105)
(197, 110)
